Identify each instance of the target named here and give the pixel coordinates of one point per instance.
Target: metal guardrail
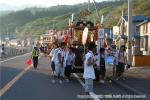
(14, 51)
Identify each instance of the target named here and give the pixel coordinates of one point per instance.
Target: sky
(43, 3)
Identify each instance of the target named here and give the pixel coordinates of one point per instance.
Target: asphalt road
(22, 82)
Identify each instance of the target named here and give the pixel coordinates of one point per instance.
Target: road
(22, 82)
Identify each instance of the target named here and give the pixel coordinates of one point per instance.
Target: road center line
(92, 94)
(13, 81)
(9, 85)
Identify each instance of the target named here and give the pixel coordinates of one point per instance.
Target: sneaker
(60, 81)
(53, 81)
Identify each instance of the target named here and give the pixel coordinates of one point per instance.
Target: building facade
(123, 29)
(144, 30)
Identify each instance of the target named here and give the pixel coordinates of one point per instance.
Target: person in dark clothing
(35, 55)
(121, 61)
(69, 63)
(41, 49)
(3, 51)
(102, 69)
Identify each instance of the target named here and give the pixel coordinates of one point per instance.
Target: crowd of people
(62, 61)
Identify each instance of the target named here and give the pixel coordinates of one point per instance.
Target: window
(125, 30)
(144, 43)
(145, 28)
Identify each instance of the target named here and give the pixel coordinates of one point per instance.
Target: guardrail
(14, 51)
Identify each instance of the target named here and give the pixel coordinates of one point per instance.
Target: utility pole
(129, 33)
(89, 8)
(122, 23)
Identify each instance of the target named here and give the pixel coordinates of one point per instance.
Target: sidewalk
(137, 80)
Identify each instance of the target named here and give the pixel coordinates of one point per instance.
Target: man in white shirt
(89, 74)
(59, 62)
(52, 56)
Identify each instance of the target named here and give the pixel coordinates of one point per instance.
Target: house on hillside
(47, 38)
(144, 30)
(140, 43)
(123, 24)
(123, 29)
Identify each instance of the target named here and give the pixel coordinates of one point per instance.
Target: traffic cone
(29, 62)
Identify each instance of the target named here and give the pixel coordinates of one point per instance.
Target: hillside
(140, 7)
(17, 22)
(111, 14)
(14, 20)
(35, 21)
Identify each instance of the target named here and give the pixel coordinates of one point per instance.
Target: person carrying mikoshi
(89, 73)
(69, 61)
(102, 69)
(59, 68)
(52, 57)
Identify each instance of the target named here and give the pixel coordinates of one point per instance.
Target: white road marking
(92, 94)
(16, 78)
(13, 81)
(14, 57)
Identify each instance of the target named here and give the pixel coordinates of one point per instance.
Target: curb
(128, 88)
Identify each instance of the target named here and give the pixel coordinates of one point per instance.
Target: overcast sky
(45, 3)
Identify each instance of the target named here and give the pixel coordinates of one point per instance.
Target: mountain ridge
(37, 20)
